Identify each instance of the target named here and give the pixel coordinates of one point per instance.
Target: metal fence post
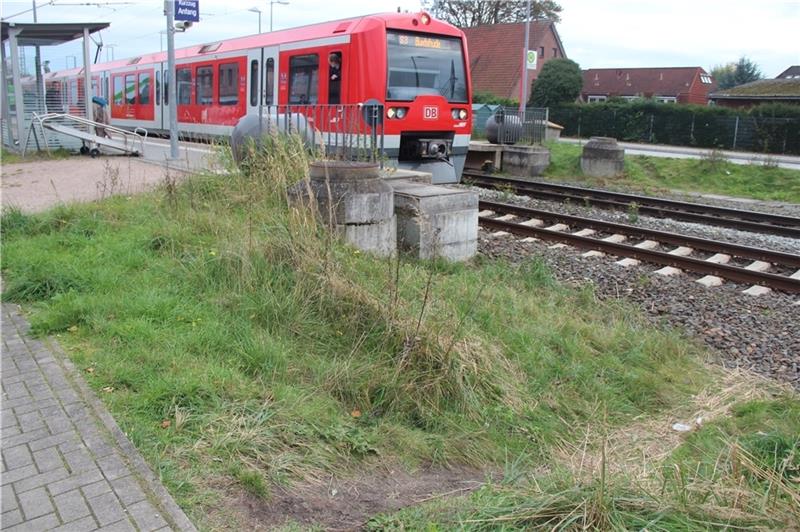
(650, 136)
(735, 132)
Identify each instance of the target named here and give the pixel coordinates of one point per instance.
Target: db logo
(430, 112)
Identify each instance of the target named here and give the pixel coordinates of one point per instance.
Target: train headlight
(425, 18)
(459, 114)
(390, 112)
(401, 112)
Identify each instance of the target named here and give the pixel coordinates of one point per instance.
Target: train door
(262, 80)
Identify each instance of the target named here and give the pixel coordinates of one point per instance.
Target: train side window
(184, 77)
(269, 82)
(166, 87)
(119, 89)
(144, 87)
(229, 84)
(254, 82)
(303, 79)
(205, 85)
(335, 78)
(105, 89)
(130, 89)
(158, 87)
(95, 92)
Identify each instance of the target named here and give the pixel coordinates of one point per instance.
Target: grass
(711, 174)
(14, 158)
(237, 344)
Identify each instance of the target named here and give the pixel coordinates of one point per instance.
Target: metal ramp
(131, 142)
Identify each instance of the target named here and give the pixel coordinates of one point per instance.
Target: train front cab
(427, 121)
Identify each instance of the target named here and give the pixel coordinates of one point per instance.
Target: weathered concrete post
(358, 204)
(602, 157)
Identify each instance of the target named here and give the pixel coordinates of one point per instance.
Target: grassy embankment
(711, 174)
(241, 348)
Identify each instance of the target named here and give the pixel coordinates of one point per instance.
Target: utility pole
(523, 98)
(172, 93)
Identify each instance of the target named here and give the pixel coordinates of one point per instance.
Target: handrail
(128, 137)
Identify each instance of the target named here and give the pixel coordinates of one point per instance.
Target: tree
(734, 74)
(560, 81)
(470, 13)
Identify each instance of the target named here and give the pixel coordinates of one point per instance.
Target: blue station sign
(187, 10)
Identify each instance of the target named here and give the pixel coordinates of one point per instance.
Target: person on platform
(100, 108)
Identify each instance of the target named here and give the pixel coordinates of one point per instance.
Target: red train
(413, 65)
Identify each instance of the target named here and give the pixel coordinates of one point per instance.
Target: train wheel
(94, 152)
(84, 150)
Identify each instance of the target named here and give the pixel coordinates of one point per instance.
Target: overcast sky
(607, 33)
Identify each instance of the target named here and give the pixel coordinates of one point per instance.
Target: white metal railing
(127, 143)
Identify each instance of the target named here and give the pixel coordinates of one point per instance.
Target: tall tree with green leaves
(560, 81)
(734, 74)
(471, 13)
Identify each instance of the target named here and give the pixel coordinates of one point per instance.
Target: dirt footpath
(38, 185)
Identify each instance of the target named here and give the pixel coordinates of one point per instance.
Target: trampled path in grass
(247, 355)
(710, 175)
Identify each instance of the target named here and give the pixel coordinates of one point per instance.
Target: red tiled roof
(495, 55)
(669, 81)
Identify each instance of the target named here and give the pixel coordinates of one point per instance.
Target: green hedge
(773, 128)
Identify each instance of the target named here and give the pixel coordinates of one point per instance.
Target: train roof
(347, 26)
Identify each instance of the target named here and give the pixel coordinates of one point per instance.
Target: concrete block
(758, 266)
(526, 161)
(602, 157)
(710, 281)
(379, 238)
(436, 221)
(668, 271)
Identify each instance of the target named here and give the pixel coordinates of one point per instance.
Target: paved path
(66, 464)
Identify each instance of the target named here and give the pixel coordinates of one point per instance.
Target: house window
(704, 78)
(666, 99)
(229, 84)
(205, 85)
(184, 78)
(630, 98)
(541, 52)
(303, 79)
(555, 52)
(596, 99)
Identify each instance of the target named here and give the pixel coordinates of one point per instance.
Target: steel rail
(733, 273)
(658, 207)
(714, 246)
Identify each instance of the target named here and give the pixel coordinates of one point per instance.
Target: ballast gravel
(760, 333)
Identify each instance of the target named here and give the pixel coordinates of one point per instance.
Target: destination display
(423, 41)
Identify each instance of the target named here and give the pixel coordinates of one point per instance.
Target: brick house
(667, 85)
(496, 54)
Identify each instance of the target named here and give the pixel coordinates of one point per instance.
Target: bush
(771, 128)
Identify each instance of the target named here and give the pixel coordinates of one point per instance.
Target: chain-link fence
(703, 130)
(509, 125)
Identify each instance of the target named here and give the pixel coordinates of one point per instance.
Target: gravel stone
(758, 333)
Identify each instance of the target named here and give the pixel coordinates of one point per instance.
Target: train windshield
(425, 64)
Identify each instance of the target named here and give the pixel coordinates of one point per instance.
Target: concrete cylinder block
(353, 197)
(602, 157)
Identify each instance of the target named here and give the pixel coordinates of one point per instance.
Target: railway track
(743, 220)
(716, 260)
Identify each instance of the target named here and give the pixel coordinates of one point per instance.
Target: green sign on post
(531, 59)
